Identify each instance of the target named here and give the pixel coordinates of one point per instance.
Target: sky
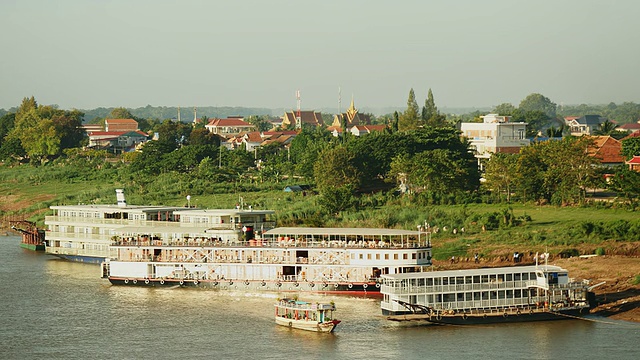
(131, 53)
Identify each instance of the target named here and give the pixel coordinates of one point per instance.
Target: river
(56, 309)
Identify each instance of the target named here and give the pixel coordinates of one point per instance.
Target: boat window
(445, 281)
(500, 278)
(485, 295)
(532, 276)
(509, 277)
(516, 277)
(501, 294)
(421, 282)
(468, 279)
(476, 279)
(476, 296)
(492, 278)
(405, 256)
(460, 297)
(485, 279)
(452, 280)
(525, 276)
(493, 295)
(395, 256)
(449, 298)
(361, 256)
(517, 293)
(429, 281)
(377, 256)
(368, 256)
(436, 281)
(460, 280)
(438, 298)
(468, 296)
(509, 294)
(386, 256)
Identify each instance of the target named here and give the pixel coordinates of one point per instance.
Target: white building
(495, 135)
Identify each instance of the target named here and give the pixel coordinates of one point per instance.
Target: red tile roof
(634, 160)
(607, 149)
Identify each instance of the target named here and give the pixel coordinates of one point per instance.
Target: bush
(567, 253)
(600, 251)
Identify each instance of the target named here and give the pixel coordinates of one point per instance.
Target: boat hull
(495, 317)
(325, 327)
(32, 247)
(246, 285)
(80, 258)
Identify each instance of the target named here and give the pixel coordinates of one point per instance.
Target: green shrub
(600, 251)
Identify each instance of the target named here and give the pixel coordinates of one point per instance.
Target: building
(496, 134)
(117, 141)
(307, 117)
(634, 163)
(584, 125)
(607, 150)
(351, 118)
(229, 126)
(120, 125)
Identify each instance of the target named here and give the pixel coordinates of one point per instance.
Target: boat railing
(257, 242)
(403, 288)
(58, 235)
(74, 251)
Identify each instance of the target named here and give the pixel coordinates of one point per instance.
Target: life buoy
(246, 282)
(135, 281)
(215, 283)
(518, 312)
(195, 282)
(230, 283)
(181, 282)
(146, 281)
(378, 285)
(505, 315)
(350, 286)
(290, 324)
(278, 284)
(439, 316)
(263, 283)
(484, 316)
(312, 284)
(530, 312)
(126, 281)
(335, 285)
(464, 316)
(295, 284)
(365, 286)
(324, 284)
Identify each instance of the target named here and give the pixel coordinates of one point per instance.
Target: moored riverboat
(325, 260)
(32, 237)
(488, 295)
(304, 315)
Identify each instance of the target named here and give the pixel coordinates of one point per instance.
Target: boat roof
(218, 212)
(338, 231)
(113, 207)
(472, 272)
(159, 227)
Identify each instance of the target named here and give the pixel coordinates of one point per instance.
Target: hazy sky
(90, 53)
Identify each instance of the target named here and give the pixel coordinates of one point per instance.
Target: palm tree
(606, 128)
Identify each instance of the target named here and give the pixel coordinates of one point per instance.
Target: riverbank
(617, 297)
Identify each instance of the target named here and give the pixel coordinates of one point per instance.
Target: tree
(553, 132)
(606, 128)
(505, 109)
(173, 133)
(430, 114)
(202, 136)
(501, 175)
(260, 122)
(396, 120)
(7, 123)
(410, 118)
(334, 169)
(538, 102)
(631, 147)
(120, 113)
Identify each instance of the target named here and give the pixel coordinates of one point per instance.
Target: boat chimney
(120, 198)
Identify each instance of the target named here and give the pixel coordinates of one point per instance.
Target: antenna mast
(298, 119)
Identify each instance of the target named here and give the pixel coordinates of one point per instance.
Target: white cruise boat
(84, 233)
(280, 259)
(488, 295)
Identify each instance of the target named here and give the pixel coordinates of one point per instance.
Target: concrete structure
(495, 135)
(229, 126)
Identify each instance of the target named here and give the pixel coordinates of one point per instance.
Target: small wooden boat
(306, 316)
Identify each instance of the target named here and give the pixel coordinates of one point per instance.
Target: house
(359, 130)
(308, 117)
(496, 134)
(584, 125)
(608, 150)
(335, 130)
(229, 126)
(89, 128)
(634, 163)
(118, 141)
(351, 118)
(629, 128)
(120, 125)
(255, 139)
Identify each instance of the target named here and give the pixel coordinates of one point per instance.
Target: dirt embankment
(617, 296)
